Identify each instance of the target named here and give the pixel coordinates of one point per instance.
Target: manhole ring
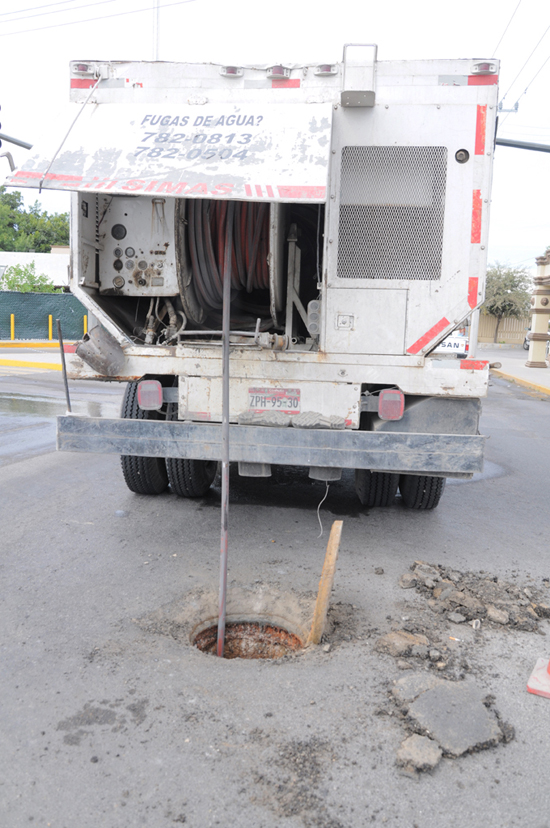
(249, 639)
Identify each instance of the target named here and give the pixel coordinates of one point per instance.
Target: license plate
(274, 399)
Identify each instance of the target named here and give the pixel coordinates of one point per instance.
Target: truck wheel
(375, 488)
(421, 491)
(190, 478)
(143, 475)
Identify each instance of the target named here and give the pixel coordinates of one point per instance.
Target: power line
(531, 81)
(60, 11)
(506, 29)
(34, 8)
(93, 19)
(527, 61)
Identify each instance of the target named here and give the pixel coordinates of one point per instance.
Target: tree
(24, 279)
(33, 229)
(507, 293)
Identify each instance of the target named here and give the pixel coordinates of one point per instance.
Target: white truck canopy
(247, 152)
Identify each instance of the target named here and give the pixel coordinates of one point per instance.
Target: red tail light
(391, 404)
(149, 394)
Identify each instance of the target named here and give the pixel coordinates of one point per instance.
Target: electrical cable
(527, 61)
(506, 29)
(34, 8)
(529, 84)
(93, 19)
(318, 511)
(59, 11)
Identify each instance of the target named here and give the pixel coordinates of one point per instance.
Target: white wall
(53, 265)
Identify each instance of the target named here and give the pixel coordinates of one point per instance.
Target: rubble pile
(477, 597)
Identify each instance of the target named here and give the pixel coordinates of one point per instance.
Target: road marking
(15, 363)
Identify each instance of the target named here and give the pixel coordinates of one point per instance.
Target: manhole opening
(249, 639)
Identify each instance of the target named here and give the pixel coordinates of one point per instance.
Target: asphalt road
(111, 718)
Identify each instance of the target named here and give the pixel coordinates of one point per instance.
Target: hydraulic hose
(209, 237)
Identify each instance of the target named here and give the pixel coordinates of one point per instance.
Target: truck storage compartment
(155, 264)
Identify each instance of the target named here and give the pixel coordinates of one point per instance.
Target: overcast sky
(38, 38)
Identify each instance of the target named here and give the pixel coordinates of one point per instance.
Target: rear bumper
(410, 453)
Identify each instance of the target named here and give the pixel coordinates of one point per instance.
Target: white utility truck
(348, 204)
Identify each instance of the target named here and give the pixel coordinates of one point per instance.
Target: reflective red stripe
(83, 83)
(302, 192)
(476, 217)
(428, 336)
(472, 291)
(481, 122)
(291, 83)
(474, 364)
(482, 80)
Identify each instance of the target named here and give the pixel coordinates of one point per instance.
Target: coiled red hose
(207, 222)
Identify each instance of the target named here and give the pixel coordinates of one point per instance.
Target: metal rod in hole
(225, 428)
(63, 365)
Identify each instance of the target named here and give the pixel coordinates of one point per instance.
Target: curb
(17, 363)
(544, 389)
(14, 343)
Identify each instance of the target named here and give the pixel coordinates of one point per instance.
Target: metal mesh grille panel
(392, 206)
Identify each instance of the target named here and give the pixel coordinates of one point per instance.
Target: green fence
(27, 315)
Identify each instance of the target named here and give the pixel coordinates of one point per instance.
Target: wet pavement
(30, 402)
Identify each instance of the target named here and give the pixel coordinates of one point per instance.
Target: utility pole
(156, 30)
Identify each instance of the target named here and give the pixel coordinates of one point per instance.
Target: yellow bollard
(50, 324)
(12, 326)
(85, 321)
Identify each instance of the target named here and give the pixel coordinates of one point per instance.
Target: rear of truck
(349, 204)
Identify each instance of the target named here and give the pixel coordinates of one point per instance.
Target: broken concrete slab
(454, 715)
(408, 688)
(399, 643)
(419, 753)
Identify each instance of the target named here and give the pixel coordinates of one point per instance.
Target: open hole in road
(249, 639)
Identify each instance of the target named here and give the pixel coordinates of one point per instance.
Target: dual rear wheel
(193, 478)
(421, 492)
(153, 475)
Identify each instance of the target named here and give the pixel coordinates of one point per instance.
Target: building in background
(54, 265)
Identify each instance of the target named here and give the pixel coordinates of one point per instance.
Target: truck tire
(375, 488)
(190, 478)
(142, 475)
(421, 491)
